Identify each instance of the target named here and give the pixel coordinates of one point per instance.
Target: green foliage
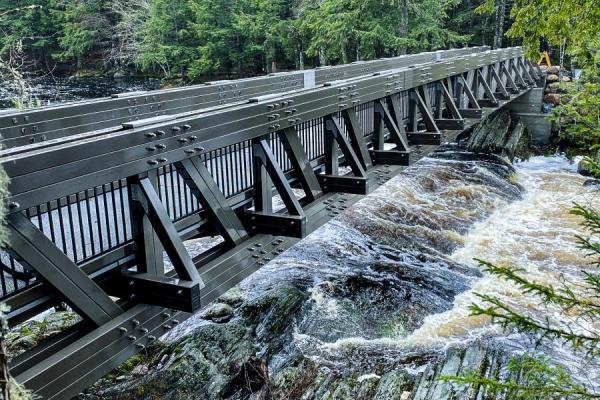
(205, 38)
(571, 22)
(348, 30)
(529, 378)
(578, 118)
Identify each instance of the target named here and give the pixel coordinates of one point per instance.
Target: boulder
(233, 297)
(552, 98)
(555, 69)
(552, 78)
(496, 135)
(566, 79)
(218, 312)
(592, 182)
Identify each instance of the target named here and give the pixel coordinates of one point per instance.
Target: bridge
(106, 194)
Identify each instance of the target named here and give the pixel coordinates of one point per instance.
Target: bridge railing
(92, 215)
(37, 126)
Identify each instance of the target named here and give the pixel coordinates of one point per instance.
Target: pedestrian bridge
(107, 195)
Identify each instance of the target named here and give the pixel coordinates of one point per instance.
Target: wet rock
(584, 168)
(566, 79)
(208, 364)
(591, 182)
(270, 314)
(218, 312)
(552, 78)
(233, 297)
(27, 335)
(552, 98)
(496, 134)
(140, 370)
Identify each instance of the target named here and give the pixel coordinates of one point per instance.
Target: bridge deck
(100, 192)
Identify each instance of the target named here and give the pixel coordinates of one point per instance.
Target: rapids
(366, 305)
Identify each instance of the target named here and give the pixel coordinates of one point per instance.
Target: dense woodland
(198, 39)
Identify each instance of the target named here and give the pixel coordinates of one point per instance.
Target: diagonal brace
(143, 191)
(78, 289)
(204, 187)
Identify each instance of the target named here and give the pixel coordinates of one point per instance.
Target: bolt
(122, 329)
(132, 338)
(13, 205)
(149, 134)
(140, 346)
(160, 133)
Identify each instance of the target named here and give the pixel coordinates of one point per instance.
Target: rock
(494, 135)
(583, 168)
(555, 87)
(140, 370)
(552, 78)
(28, 334)
(405, 396)
(555, 69)
(208, 364)
(566, 79)
(218, 312)
(591, 182)
(552, 98)
(234, 297)
(271, 314)
(119, 74)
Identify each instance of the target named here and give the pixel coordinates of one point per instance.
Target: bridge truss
(102, 190)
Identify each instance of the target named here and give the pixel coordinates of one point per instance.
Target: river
(375, 304)
(49, 89)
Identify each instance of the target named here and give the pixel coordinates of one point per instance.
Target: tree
(347, 30)
(84, 26)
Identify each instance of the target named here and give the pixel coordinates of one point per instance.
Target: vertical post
(149, 248)
(263, 187)
(331, 148)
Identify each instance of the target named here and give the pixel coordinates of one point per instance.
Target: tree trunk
(403, 29)
(499, 28)
(322, 57)
(4, 373)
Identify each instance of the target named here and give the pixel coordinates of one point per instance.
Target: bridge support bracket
(156, 290)
(276, 224)
(450, 124)
(392, 157)
(424, 138)
(344, 184)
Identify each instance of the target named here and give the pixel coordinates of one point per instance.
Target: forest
(199, 39)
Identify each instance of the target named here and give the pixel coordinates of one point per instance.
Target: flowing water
(47, 89)
(388, 283)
